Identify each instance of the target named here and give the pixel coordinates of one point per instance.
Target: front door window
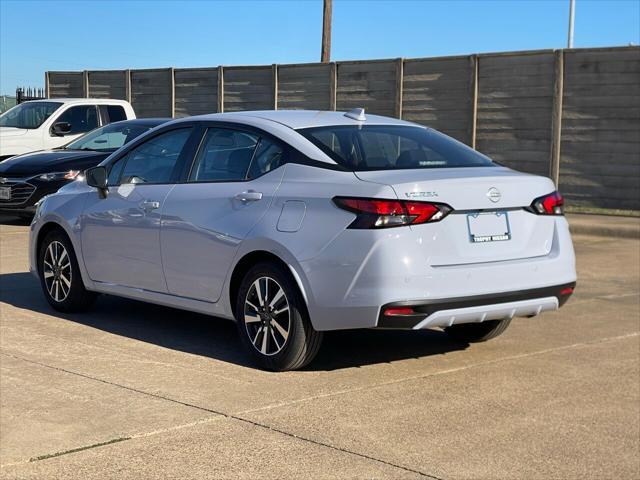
(154, 161)
(82, 118)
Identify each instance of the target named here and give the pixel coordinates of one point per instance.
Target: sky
(37, 36)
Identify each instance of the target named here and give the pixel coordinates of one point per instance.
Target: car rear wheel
(478, 332)
(272, 319)
(60, 275)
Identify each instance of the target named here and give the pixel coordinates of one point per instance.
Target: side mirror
(97, 178)
(60, 129)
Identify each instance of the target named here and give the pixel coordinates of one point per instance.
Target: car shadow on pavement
(217, 338)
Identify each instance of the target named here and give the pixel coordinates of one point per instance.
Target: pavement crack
(333, 447)
(78, 449)
(205, 409)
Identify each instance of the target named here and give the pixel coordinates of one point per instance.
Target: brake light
(379, 213)
(552, 204)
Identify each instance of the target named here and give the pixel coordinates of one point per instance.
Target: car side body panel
(211, 220)
(121, 240)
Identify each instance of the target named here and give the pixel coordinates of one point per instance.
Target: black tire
(478, 332)
(256, 320)
(70, 294)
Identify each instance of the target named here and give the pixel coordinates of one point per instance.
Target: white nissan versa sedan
(298, 222)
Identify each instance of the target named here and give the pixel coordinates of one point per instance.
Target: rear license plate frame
(5, 193)
(493, 230)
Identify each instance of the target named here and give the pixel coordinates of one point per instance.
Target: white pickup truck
(51, 123)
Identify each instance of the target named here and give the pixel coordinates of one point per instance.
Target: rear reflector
(566, 291)
(382, 213)
(398, 311)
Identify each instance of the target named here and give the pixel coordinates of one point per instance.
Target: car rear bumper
(444, 313)
(359, 273)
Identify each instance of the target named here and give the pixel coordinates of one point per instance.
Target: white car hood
(12, 131)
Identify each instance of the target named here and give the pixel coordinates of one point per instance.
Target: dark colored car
(25, 179)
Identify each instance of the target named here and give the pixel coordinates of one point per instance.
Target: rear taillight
(378, 213)
(552, 204)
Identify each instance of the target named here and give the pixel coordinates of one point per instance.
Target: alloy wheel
(267, 316)
(57, 271)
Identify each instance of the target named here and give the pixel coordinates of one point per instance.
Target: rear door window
(268, 156)
(225, 155)
(116, 113)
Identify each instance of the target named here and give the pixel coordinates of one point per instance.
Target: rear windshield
(386, 147)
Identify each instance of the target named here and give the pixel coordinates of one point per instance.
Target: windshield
(388, 147)
(109, 137)
(28, 115)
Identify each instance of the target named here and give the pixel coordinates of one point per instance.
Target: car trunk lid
(488, 222)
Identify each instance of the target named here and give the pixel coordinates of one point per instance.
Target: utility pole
(572, 8)
(325, 54)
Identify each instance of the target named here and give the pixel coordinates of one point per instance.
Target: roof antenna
(356, 114)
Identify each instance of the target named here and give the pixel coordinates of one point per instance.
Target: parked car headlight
(48, 177)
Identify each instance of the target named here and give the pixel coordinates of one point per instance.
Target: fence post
(127, 85)
(333, 85)
(275, 85)
(173, 91)
(556, 119)
(85, 83)
(474, 62)
(399, 82)
(220, 89)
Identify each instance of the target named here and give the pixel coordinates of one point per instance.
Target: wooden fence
(573, 115)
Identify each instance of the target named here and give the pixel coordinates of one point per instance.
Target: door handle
(248, 196)
(148, 205)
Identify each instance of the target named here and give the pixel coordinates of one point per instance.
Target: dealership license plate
(5, 193)
(488, 227)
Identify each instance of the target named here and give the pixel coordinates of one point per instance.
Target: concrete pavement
(604, 225)
(131, 390)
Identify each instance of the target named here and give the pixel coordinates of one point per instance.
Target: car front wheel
(272, 319)
(60, 275)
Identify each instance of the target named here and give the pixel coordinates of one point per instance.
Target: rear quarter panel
(321, 224)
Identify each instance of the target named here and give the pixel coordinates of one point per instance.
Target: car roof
(297, 119)
(150, 122)
(97, 101)
(285, 123)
